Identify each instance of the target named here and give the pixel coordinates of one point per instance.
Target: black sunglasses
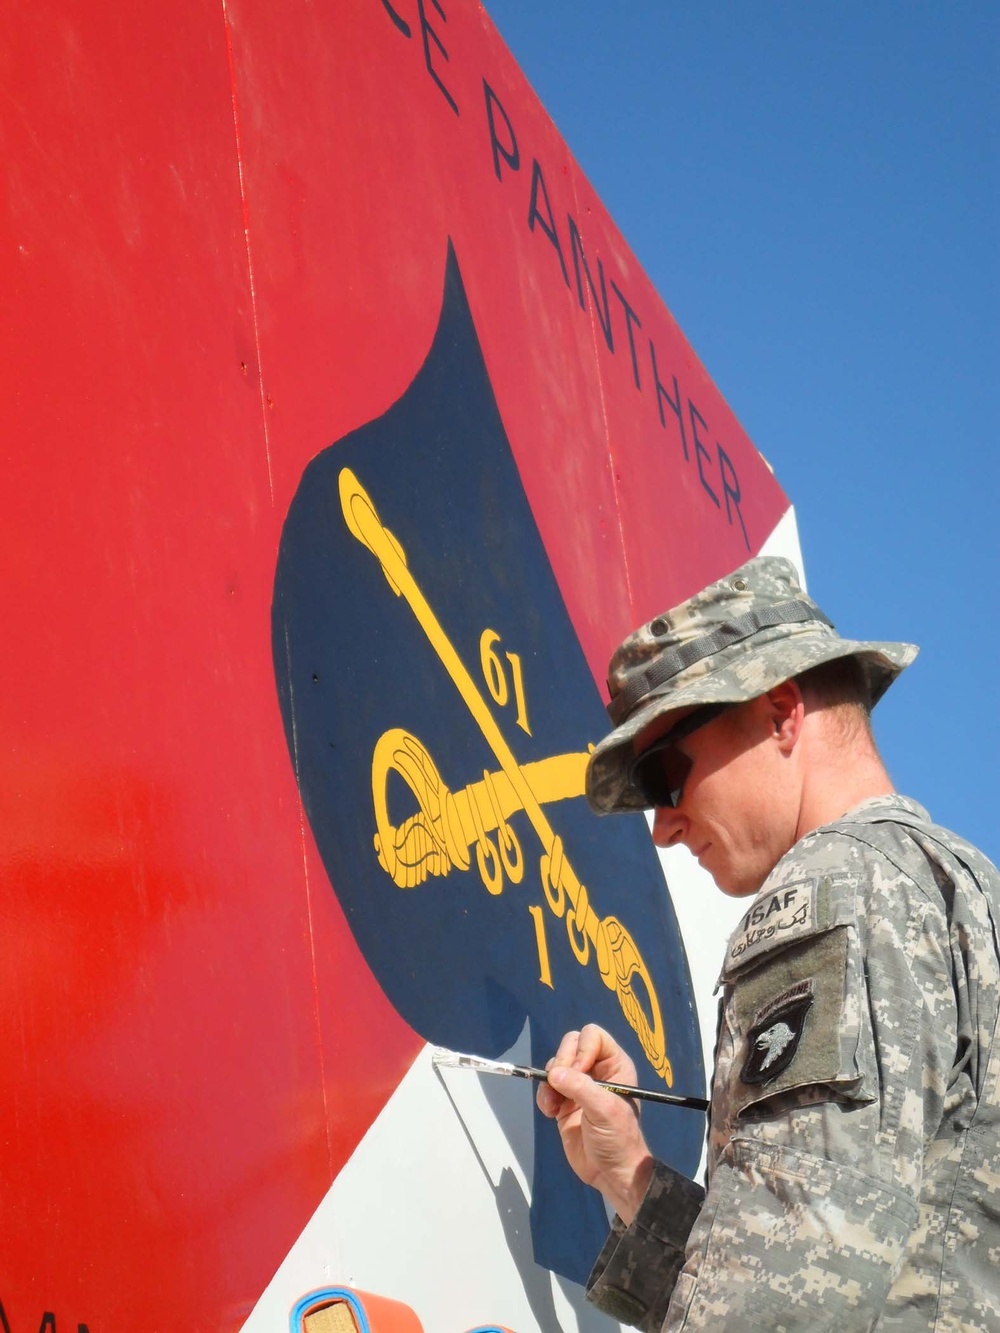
(659, 773)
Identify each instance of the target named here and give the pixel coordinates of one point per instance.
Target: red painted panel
(225, 231)
(163, 1106)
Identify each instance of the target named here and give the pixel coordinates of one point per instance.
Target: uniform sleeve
(636, 1271)
(838, 1045)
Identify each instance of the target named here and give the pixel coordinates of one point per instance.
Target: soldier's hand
(599, 1129)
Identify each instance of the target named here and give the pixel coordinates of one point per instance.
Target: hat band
(678, 659)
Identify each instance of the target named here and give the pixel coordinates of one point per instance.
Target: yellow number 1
(544, 971)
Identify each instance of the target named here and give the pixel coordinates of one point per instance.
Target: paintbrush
(454, 1060)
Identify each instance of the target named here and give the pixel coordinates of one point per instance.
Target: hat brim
(609, 790)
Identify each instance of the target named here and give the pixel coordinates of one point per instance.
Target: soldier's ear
(785, 712)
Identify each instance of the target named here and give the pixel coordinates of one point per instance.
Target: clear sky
(814, 190)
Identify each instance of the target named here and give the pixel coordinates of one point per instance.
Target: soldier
(854, 1149)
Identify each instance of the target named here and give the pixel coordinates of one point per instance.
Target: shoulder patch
(777, 917)
(775, 1033)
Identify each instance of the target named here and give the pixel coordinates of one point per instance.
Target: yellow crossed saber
(618, 958)
(449, 825)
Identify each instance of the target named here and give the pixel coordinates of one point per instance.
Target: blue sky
(814, 191)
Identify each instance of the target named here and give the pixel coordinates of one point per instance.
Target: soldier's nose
(668, 826)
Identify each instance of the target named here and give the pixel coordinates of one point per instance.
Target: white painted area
(784, 540)
(706, 919)
(432, 1210)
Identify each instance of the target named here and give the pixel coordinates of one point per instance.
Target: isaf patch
(775, 1034)
(776, 919)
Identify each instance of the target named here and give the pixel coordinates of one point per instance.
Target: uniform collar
(882, 807)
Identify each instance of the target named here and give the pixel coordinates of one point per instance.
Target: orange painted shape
(317, 1313)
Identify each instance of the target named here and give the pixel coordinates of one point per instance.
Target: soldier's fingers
(599, 1106)
(549, 1102)
(594, 1044)
(566, 1054)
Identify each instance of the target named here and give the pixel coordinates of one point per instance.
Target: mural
(437, 709)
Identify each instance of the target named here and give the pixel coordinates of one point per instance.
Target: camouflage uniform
(854, 1155)
(854, 1149)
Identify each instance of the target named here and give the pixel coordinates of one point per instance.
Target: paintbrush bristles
(440, 1055)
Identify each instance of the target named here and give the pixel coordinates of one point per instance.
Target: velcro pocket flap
(795, 1000)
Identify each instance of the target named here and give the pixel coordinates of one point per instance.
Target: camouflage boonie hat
(734, 641)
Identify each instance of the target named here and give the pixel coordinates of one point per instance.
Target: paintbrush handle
(647, 1095)
(622, 1090)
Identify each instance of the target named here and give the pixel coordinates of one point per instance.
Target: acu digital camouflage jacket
(854, 1153)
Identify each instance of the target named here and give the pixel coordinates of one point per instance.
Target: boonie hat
(734, 641)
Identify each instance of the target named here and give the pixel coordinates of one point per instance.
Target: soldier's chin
(732, 884)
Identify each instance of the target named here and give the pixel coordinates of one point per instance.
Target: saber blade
(443, 1058)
